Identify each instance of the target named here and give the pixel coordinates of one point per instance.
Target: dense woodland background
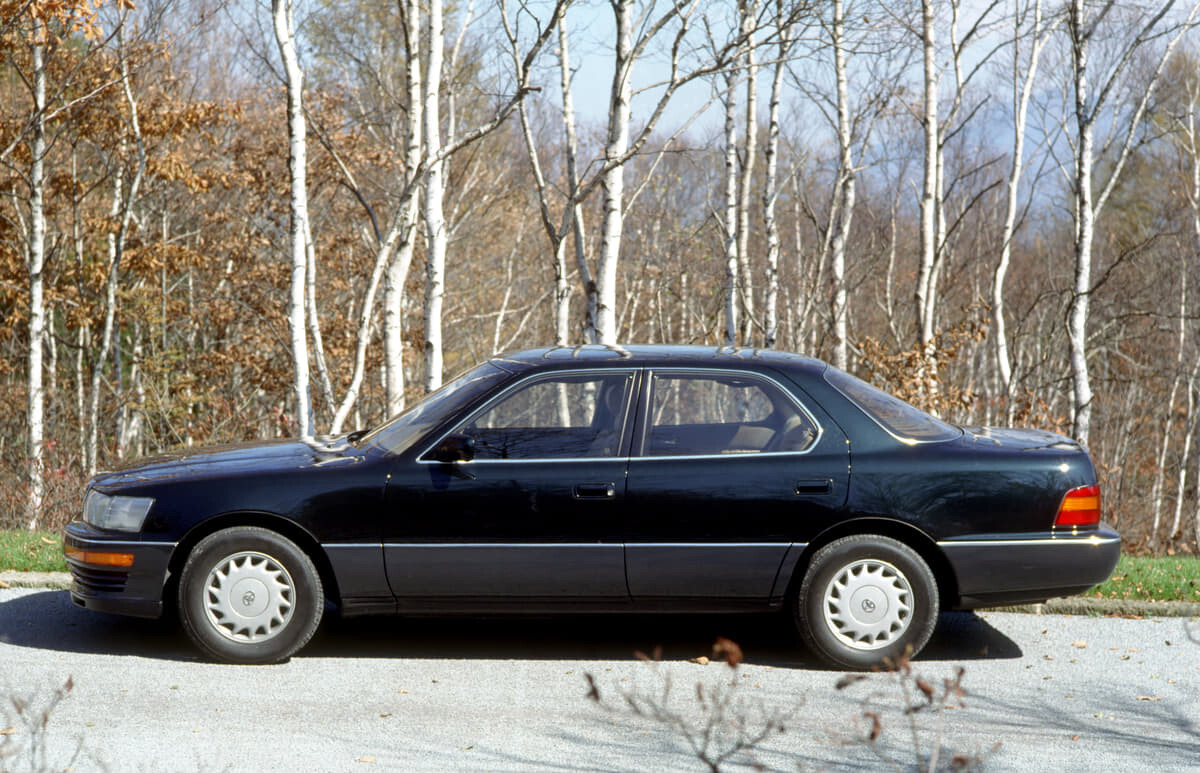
(231, 221)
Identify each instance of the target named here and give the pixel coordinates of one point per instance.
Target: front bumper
(135, 590)
(1028, 568)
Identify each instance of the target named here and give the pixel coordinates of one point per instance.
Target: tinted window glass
(707, 414)
(558, 417)
(893, 414)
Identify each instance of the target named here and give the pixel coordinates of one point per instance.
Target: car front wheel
(866, 599)
(249, 595)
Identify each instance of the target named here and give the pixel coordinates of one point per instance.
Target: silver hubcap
(249, 597)
(868, 605)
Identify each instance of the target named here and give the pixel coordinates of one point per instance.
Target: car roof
(657, 356)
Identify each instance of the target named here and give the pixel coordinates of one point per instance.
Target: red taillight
(1080, 507)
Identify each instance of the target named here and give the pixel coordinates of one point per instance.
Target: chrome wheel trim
(868, 604)
(249, 597)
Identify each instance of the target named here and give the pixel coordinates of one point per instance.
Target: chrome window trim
(649, 388)
(542, 375)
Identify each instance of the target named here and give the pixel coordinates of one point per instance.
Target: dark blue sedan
(639, 478)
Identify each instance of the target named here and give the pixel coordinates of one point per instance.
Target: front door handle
(824, 486)
(594, 491)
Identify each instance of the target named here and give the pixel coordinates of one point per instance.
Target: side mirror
(454, 448)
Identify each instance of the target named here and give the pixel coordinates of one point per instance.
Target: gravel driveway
(1057, 692)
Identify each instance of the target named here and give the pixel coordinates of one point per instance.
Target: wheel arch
(270, 521)
(900, 531)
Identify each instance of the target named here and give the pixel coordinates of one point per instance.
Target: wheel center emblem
(868, 605)
(248, 598)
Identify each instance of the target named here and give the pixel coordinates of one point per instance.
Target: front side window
(710, 414)
(567, 416)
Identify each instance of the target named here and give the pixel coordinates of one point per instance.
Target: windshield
(904, 422)
(401, 432)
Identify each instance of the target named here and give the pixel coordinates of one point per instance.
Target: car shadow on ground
(48, 620)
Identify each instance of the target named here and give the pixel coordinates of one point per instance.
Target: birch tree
(124, 198)
(435, 221)
(937, 131)
(771, 189)
(285, 38)
(638, 25)
(35, 266)
(1106, 96)
(1028, 24)
(37, 28)
(852, 108)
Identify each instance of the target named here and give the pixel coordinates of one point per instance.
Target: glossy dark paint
(400, 531)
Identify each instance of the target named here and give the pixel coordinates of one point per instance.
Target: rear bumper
(135, 590)
(1027, 568)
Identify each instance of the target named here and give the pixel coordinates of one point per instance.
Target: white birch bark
(730, 220)
(846, 181)
(281, 12)
(1024, 75)
(37, 302)
(929, 190)
(745, 283)
(771, 183)
(435, 220)
(613, 178)
(397, 273)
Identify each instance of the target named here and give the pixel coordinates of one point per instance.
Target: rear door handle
(814, 486)
(594, 491)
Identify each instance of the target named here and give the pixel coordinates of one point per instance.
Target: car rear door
(728, 470)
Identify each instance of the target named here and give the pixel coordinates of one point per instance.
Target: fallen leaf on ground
(1079, 644)
(49, 541)
(365, 759)
(3, 584)
(1149, 697)
(702, 660)
(8, 731)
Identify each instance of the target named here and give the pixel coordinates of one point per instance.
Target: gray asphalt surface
(1057, 692)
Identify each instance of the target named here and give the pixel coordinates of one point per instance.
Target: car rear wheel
(249, 595)
(866, 599)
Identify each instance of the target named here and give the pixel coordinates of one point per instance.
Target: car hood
(258, 456)
(1019, 439)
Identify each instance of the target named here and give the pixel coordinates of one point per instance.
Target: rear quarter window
(906, 423)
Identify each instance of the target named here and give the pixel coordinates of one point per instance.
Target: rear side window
(707, 414)
(904, 422)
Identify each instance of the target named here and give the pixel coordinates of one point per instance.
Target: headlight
(118, 513)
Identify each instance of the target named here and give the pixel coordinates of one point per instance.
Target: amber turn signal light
(98, 558)
(1080, 507)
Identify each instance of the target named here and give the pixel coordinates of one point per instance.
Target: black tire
(249, 595)
(865, 599)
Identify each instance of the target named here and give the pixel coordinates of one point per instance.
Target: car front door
(729, 470)
(534, 515)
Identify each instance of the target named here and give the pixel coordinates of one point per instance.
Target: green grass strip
(1166, 578)
(31, 551)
